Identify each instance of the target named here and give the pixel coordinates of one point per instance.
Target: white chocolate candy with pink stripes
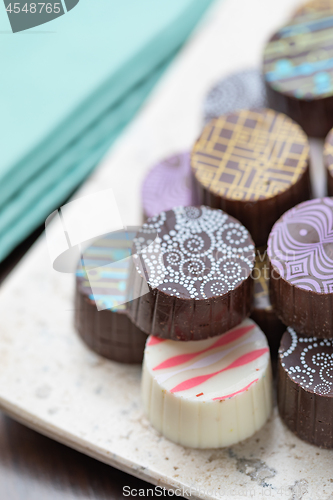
(208, 393)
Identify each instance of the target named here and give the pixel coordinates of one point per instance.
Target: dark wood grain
(33, 467)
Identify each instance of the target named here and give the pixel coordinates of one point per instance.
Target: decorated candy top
(328, 152)
(199, 252)
(250, 155)
(214, 369)
(308, 361)
(169, 184)
(242, 90)
(318, 8)
(300, 246)
(298, 60)
(108, 280)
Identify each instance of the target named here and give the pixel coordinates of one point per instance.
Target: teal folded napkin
(68, 82)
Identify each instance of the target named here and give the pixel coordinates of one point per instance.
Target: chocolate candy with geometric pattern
(328, 162)
(254, 164)
(263, 313)
(298, 71)
(109, 332)
(242, 90)
(198, 272)
(169, 184)
(209, 393)
(300, 251)
(305, 387)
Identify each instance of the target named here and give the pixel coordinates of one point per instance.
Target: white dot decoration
(202, 252)
(316, 360)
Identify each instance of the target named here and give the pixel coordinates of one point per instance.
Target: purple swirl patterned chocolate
(300, 251)
(305, 387)
(198, 274)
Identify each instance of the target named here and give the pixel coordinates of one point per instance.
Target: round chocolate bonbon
(328, 162)
(305, 387)
(318, 8)
(298, 71)
(198, 272)
(254, 164)
(300, 250)
(208, 393)
(263, 313)
(107, 331)
(242, 90)
(168, 184)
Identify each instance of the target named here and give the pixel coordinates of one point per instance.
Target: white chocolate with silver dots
(208, 393)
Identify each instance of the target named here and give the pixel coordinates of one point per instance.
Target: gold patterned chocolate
(250, 155)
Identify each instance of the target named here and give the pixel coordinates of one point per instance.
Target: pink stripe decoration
(154, 340)
(224, 340)
(238, 392)
(241, 361)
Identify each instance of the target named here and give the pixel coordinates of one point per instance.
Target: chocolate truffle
(198, 272)
(328, 162)
(209, 393)
(300, 250)
(254, 164)
(263, 313)
(242, 90)
(317, 7)
(169, 184)
(108, 331)
(298, 72)
(305, 387)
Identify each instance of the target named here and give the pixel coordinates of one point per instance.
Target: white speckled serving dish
(52, 383)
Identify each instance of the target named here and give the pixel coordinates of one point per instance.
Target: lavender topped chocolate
(168, 184)
(300, 250)
(198, 272)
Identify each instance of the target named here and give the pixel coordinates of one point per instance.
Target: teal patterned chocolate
(109, 281)
(298, 60)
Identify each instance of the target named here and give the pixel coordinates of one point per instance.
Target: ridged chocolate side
(259, 216)
(314, 116)
(309, 313)
(329, 183)
(272, 327)
(173, 318)
(307, 414)
(109, 333)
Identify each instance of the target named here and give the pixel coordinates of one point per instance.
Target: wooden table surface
(33, 467)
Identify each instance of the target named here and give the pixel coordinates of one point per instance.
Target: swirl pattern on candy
(301, 246)
(193, 382)
(300, 250)
(305, 388)
(198, 272)
(169, 184)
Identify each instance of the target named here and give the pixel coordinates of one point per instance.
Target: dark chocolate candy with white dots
(305, 387)
(241, 90)
(198, 273)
